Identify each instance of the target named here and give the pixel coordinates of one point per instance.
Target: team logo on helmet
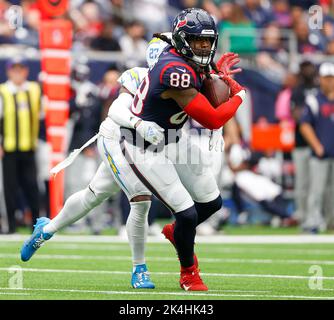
(181, 23)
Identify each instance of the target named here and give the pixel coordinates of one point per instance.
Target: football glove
(150, 131)
(216, 141)
(235, 87)
(226, 62)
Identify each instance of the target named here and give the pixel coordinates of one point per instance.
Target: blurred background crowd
(281, 44)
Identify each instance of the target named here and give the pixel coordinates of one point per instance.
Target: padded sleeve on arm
(202, 111)
(120, 112)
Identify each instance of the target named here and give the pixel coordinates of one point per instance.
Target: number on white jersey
(138, 102)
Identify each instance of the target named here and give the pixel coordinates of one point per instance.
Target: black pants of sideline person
(19, 170)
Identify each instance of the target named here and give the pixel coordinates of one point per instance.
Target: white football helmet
(154, 49)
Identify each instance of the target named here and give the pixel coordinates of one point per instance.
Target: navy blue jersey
(319, 113)
(171, 71)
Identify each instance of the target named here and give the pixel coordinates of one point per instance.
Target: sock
(206, 210)
(184, 235)
(75, 207)
(136, 228)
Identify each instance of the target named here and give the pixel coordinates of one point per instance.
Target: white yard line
(171, 259)
(217, 249)
(184, 294)
(288, 239)
(223, 275)
(14, 293)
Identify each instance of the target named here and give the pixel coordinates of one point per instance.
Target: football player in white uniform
(102, 186)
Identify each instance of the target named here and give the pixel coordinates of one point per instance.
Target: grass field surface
(87, 267)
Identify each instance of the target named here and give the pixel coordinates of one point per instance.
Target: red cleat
(190, 279)
(168, 232)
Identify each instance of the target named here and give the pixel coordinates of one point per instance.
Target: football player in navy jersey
(167, 96)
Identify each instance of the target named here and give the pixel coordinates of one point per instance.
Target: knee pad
(209, 207)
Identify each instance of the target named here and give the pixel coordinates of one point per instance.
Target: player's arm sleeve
(201, 110)
(120, 113)
(178, 76)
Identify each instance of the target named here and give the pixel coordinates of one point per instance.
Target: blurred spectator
(6, 32)
(330, 48)
(272, 59)
(226, 10)
(259, 188)
(88, 22)
(216, 8)
(317, 127)
(321, 37)
(151, 13)
(281, 12)
(303, 4)
(328, 7)
(297, 13)
(118, 11)
(283, 102)
(106, 41)
(109, 89)
(28, 34)
(239, 31)
(305, 46)
(307, 84)
(134, 45)
(20, 113)
(254, 11)
(85, 106)
(85, 118)
(263, 94)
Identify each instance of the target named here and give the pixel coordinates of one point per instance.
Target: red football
(215, 90)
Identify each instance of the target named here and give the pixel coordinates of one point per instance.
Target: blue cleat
(36, 240)
(141, 278)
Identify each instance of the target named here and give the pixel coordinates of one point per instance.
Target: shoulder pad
(131, 79)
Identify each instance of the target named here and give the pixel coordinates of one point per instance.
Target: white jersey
(130, 79)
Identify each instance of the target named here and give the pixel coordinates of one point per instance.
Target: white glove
(237, 155)
(150, 131)
(216, 142)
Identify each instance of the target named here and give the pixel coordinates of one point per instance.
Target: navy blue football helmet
(191, 24)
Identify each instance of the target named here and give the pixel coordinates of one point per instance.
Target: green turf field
(87, 270)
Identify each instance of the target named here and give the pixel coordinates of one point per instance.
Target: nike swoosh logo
(182, 70)
(186, 287)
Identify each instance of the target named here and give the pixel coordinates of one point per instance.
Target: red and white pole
(55, 44)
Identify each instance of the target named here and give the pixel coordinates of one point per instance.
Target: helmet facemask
(202, 57)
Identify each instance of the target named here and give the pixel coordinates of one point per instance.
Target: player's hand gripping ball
(215, 90)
